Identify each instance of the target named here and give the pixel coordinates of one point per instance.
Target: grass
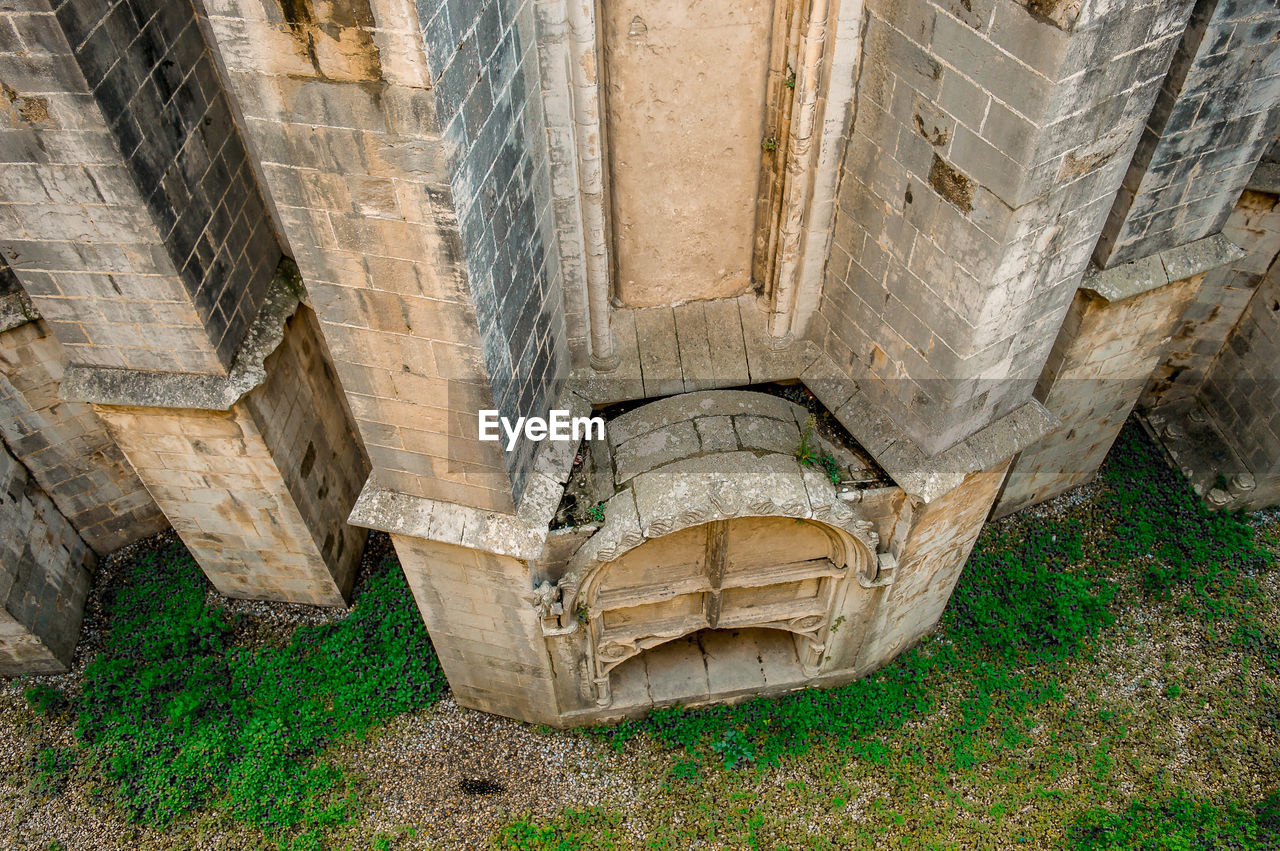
(1106, 677)
(965, 739)
(175, 719)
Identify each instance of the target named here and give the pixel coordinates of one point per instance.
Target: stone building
(265, 261)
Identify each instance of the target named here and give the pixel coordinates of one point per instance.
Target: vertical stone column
(1241, 397)
(989, 139)
(485, 631)
(1221, 300)
(64, 445)
(132, 217)
(1115, 333)
(1216, 114)
(403, 147)
(257, 473)
(45, 571)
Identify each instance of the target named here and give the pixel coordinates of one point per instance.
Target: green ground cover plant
(1034, 599)
(177, 719)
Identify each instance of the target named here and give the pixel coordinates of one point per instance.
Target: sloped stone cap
(521, 535)
(1176, 264)
(16, 310)
(922, 476)
(144, 389)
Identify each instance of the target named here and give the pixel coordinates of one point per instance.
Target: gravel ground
(453, 774)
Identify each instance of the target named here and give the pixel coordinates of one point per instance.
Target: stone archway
(774, 572)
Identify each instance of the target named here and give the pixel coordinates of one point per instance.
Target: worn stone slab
(655, 448)
(766, 433)
(727, 345)
(695, 347)
(659, 358)
(687, 406)
(716, 434)
(1175, 264)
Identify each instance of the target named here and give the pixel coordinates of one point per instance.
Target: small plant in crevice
(811, 454)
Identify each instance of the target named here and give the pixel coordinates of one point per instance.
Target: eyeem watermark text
(559, 426)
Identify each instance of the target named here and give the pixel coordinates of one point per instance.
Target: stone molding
(521, 535)
(1157, 270)
(143, 389)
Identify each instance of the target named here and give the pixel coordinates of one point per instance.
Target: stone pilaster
(45, 571)
(1114, 335)
(63, 444)
(1214, 118)
(130, 212)
(403, 147)
(256, 472)
(988, 141)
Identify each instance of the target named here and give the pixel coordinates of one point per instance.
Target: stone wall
(483, 627)
(259, 493)
(151, 74)
(91, 231)
(1115, 333)
(1242, 392)
(65, 446)
(1209, 320)
(45, 571)
(401, 149)
(483, 58)
(988, 141)
(1215, 116)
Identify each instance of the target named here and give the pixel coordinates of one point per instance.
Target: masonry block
(985, 150)
(1214, 118)
(410, 188)
(134, 220)
(1111, 340)
(259, 493)
(65, 446)
(45, 572)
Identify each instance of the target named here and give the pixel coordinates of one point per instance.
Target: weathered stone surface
(65, 446)
(1214, 118)
(982, 161)
(259, 493)
(45, 571)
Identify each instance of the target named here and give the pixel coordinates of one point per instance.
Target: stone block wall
(1242, 392)
(1215, 117)
(483, 628)
(259, 493)
(1209, 320)
(66, 448)
(483, 58)
(45, 571)
(151, 74)
(1099, 365)
(988, 141)
(932, 543)
(401, 148)
(130, 221)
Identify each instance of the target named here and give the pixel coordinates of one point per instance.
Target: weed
(44, 699)
(176, 719)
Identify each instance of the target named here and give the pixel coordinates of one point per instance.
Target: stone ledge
(1266, 178)
(922, 476)
(521, 535)
(16, 310)
(1175, 264)
(143, 389)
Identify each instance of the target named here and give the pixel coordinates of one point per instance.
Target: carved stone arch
(753, 571)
